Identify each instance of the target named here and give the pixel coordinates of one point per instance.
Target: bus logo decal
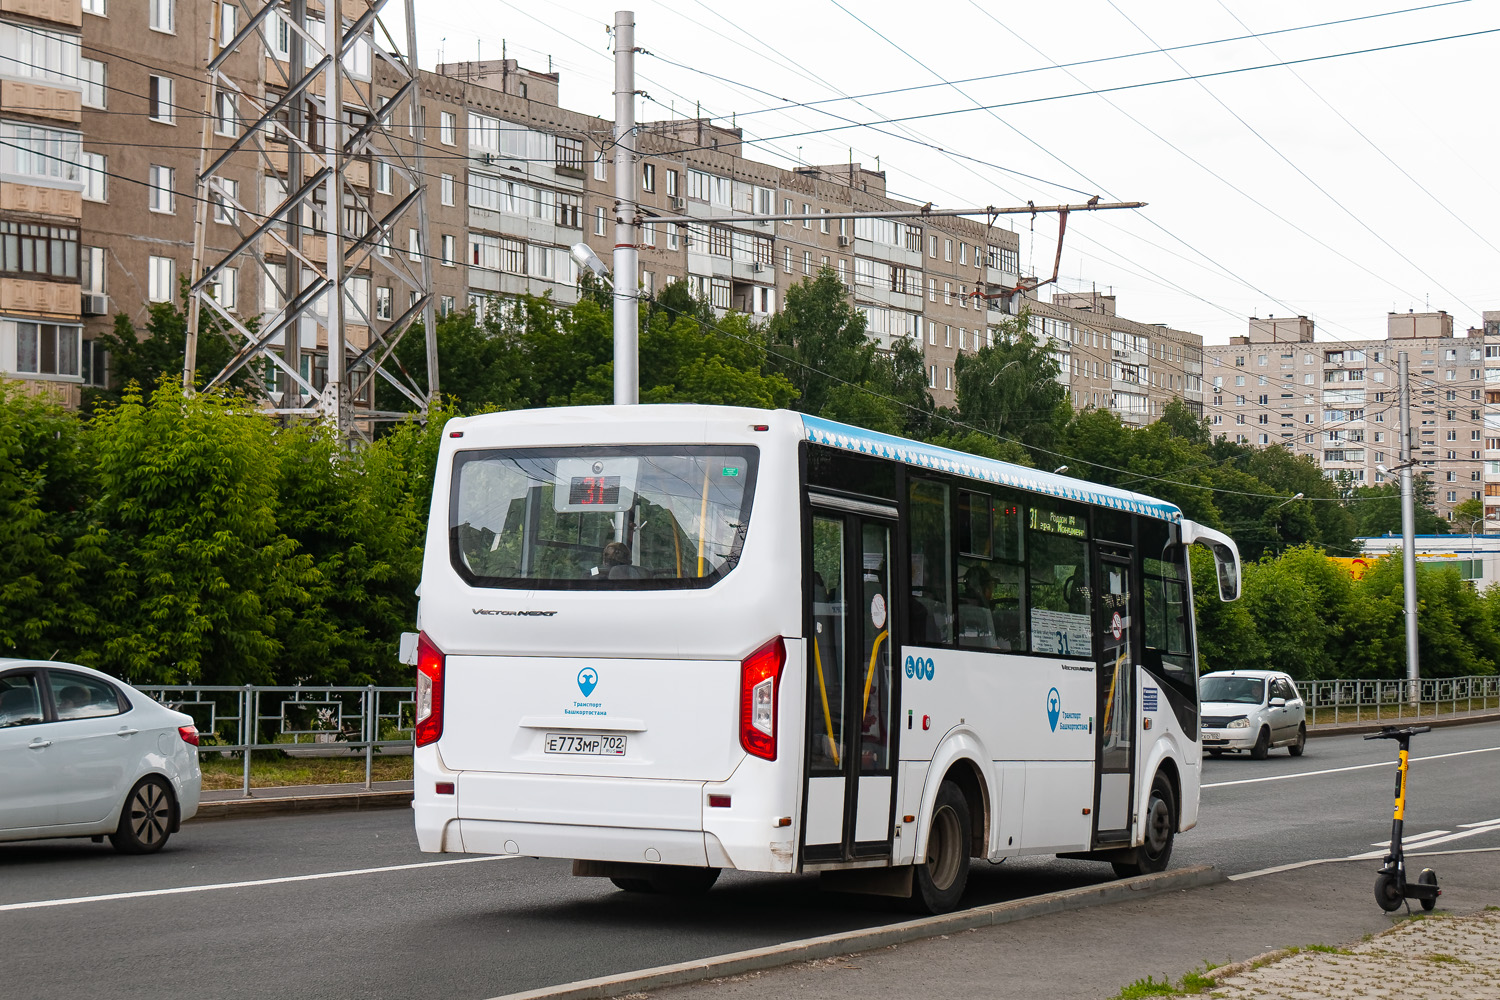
(588, 679)
(1054, 708)
(919, 668)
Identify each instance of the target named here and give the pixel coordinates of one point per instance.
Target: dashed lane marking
(1341, 770)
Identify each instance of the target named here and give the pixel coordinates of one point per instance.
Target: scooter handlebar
(1392, 733)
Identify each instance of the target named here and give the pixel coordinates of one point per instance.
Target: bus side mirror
(1226, 556)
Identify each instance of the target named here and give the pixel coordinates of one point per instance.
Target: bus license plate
(594, 744)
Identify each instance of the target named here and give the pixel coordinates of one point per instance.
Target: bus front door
(850, 781)
(1113, 602)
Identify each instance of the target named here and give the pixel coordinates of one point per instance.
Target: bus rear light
(760, 675)
(430, 662)
(718, 802)
(444, 788)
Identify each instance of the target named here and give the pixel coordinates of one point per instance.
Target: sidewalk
(230, 803)
(1096, 952)
(1352, 728)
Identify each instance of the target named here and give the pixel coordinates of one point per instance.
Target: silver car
(1251, 711)
(83, 755)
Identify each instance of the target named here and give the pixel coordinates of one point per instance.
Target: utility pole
(1408, 535)
(626, 256)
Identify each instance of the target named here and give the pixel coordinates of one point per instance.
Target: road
(407, 924)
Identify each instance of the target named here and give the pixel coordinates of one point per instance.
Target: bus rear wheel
(1160, 832)
(682, 880)
(938, 883)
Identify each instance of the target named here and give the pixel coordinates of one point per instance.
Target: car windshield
(1239, 690)
(608, 518)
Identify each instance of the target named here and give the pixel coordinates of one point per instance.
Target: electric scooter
(1391, 887)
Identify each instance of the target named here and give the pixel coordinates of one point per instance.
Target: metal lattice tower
(310, 225)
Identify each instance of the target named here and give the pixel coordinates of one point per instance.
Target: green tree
(154, 355)
(1468, 516)
(1377, 509)
(191, 577)
(818, 343)
(1011, 390)
(46, 477)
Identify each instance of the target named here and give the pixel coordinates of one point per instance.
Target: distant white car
(1251, 710)
(84, 755)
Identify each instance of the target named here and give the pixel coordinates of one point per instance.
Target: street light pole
(1408, 536)
(626, 256)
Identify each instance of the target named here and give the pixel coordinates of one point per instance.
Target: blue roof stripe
(847, 438)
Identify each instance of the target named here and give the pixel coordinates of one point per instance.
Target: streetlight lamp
(585, 256)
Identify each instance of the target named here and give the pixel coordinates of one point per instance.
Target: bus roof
(958, 463)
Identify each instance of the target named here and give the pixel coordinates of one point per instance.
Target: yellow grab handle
(870, 675)
(823, 690)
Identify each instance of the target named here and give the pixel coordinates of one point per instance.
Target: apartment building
(1110, 362)
(514, 180)
(44, 87)
(1337, 401)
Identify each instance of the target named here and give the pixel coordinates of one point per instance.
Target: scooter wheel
(1388, 892)
(1428, 877)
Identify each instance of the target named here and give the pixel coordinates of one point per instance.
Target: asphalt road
(409, 924)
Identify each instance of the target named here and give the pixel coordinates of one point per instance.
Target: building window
(95, 76)
(672, 185)
(445, 305)
(225, 288)
(224, 196)
(599, 221)
(36, 249)
(786, 259)
(93, 173)
(601, 166)
(448, 246)
(161, 100)
(162, 277)
(570, 154)
(226, 113)
(807, 262)
(823, 223)
(383, 177)
(648, 177)
(382, 302)
(161, 16)
(47, 348)
(447, 127)
(94, 7)
(413, 245)
(160, 189)
(948, 251)
(446, 186)
(569, 211)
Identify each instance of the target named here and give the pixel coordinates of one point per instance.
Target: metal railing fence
(371, 719)
(1360, 700)
(238, 719)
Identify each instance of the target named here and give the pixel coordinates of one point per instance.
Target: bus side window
(931, 605)
(990, 575)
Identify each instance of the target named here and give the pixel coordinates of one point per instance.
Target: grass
(1196, 982)
(270, 769)
(1328, 949)
(1439, 956)
(1147, 987)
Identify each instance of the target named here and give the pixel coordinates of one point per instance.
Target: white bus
(667, 640)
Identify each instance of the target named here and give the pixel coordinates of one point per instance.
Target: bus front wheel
(1160, 831)
(938, 883)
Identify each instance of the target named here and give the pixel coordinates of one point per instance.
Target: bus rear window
(617, 518)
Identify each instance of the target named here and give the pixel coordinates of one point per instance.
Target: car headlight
(1240, 723)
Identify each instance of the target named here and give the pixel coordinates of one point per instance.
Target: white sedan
(84, 755)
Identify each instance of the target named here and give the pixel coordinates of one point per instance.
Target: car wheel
(1296, 748)
(938, 883)
(1388, 892)
(146, 819)
(682, 880)
(1216, 753)
(632, 884)
(1160, 829)
(1262, 745)
(1428, 877)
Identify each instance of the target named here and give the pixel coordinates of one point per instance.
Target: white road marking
(1431, 843)
(38, 904)
(1357, 857)
(1414, 838)
(1340, 770)
(1470, 826)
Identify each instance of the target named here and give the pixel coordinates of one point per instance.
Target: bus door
(850, 788)
(1115, 746)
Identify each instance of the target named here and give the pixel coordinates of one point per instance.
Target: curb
(237, 808)
(1435, 721)
(871, 938)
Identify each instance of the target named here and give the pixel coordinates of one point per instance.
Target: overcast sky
(1342, 188)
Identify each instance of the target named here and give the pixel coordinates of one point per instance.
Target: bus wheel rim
(942, 848)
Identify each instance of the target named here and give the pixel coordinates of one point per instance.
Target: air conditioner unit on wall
(95, 304)
(677, 203)
(757, 267)
(843, 241)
